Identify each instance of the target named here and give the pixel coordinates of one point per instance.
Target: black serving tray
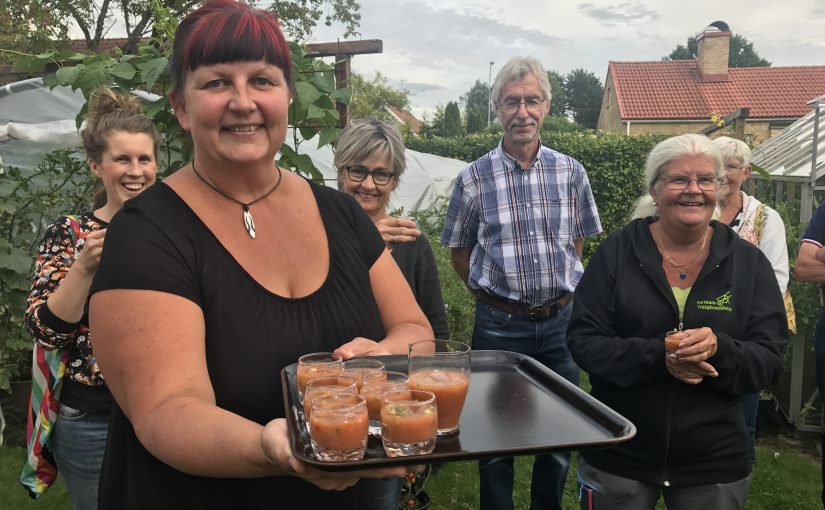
(515, 406)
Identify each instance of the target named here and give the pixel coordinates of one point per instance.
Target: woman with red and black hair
(220, 276)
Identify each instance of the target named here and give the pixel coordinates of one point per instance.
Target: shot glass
(358, 367)
(672, 339)
(375, 385)
(442, 367)
(329, 385)
(409, 422)
(314, 365)
(338, 431)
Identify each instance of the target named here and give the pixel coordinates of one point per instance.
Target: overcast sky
(436, 49)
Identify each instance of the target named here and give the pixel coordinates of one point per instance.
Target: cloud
(418, 87)
(620, 14)
(818, 12)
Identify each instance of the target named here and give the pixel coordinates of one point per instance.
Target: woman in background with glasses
(762, 226)
(673, 268)
(369, 156)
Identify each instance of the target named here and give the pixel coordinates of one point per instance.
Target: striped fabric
(48, 367)
(521, 224)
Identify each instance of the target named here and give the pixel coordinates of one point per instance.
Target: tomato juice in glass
(338, 431)
(442, 367)
(326, 386)
(375, 385)
(358, 367)
(314, 365)
(409, 422)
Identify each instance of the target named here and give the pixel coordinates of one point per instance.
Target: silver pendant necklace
(682, 272)
(248, 222)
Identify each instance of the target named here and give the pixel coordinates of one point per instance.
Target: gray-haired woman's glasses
(681, 182)
(359, 173)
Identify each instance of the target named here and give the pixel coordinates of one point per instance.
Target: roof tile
(665, 90)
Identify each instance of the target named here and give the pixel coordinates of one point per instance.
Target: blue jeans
(546, 342)
(819, 349)
(79, 442)
(387, 492)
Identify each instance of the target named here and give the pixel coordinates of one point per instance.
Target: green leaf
(307, 93)
(153, 108)
(761, 171)
(123, 70)
(342, 95)
(68, 75)
(307, 132)
(313, 112)
(16, 259)
(328, 135)
(325, 82)
(153, 70)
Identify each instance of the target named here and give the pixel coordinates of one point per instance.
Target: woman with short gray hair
(675, 318)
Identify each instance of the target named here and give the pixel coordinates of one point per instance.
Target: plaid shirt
(521, 224)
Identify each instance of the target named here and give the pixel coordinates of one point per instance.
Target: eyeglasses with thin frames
(358, 174)
(511, 106)
(681, 182)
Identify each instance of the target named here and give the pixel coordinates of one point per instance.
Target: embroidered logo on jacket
(722, 303)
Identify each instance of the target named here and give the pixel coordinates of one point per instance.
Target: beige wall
(609, 119)
(758, 131)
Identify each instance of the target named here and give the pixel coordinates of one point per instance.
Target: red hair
(223, 31)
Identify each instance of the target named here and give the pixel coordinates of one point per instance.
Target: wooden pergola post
(739, 117)
(343, 52)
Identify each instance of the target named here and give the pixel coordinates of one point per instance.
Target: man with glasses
(516, 225)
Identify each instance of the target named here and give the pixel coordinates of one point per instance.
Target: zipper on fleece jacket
(668, 294)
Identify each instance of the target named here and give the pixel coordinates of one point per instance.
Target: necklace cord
(678, 267)
(242, 204)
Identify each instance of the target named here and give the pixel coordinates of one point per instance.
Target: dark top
(622, 308)
(83, 385)
(417, 263)
(815, 233)
(157, 242)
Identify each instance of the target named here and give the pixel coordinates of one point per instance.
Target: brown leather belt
(532, 312)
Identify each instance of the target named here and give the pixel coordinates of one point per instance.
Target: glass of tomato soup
(375, 385)
(338, 430)
(314, 365)
(409, 422)
(326, 386)
(442, 367)
(358, 367)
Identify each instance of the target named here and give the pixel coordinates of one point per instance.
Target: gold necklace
(682, 273)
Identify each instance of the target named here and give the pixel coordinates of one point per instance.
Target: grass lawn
(787, 481)
(784, 478)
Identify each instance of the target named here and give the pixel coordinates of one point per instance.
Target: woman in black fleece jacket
(674, 268)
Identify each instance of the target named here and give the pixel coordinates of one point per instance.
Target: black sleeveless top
(158, 243)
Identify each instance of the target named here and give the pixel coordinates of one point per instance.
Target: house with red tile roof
(404, 118)
(679, 96)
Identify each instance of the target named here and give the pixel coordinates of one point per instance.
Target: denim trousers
(546, 342)
(819, 349)
(79, 444)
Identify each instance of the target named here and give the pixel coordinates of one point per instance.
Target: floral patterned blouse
(55, 255)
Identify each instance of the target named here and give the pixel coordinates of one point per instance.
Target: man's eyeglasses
(532, 104)
(681, 182)
(359, 173)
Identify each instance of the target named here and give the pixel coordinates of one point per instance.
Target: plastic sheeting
(35, 120)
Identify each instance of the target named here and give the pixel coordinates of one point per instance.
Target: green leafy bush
(60, 185)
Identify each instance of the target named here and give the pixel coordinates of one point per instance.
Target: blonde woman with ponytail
(121, 147)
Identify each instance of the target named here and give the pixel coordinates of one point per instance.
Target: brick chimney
(713, 53)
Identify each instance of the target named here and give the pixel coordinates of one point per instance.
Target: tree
(558, 103)
(584, 97)
(741, 54)
(476, 100)
(452, 120)
(374, 96)
(28, 27)
(475, 123)
(95, 18)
